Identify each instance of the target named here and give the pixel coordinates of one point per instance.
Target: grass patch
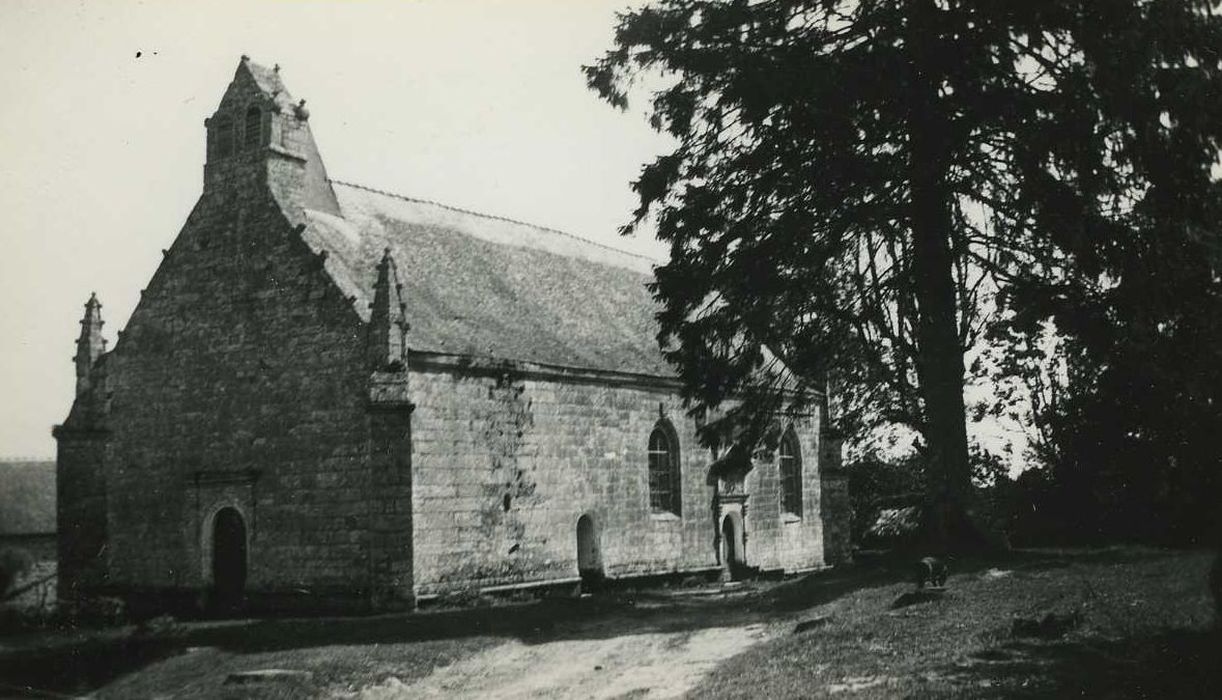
(1138, 626)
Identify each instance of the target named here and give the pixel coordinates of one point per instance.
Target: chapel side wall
(780, 540)
(503, 467)
(239, 381)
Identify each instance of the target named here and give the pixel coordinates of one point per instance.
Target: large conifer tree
(861, 185)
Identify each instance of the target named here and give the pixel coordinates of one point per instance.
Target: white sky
(475, 103)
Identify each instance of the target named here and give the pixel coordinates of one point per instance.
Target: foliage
(14, 563)
(1126, 404)
(864, 188)
(876, 482)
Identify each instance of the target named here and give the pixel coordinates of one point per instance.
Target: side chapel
(340, 394)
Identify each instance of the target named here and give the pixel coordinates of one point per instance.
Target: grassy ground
(1142, 629)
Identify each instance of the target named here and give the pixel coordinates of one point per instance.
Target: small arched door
(228, 557)
(589, 554)
(733, 559)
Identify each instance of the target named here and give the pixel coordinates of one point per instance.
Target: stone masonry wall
(779, 540)
(239, 381)
(505, 463)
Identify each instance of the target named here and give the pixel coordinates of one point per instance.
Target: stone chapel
(333, 394)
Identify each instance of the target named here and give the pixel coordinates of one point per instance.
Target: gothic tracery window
(789, 461)
(664, 492)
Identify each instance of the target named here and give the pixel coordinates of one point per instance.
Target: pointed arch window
(664, 491)
(252, 132)
(224, 137)
(789, 460)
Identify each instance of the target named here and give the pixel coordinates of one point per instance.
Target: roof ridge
(494, 217)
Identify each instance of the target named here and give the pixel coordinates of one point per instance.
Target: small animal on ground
(931, 570)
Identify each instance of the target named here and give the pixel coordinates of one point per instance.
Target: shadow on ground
(1172, 664)
(877, 569)
(89, 661)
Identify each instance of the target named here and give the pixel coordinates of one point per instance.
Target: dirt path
(598, 663)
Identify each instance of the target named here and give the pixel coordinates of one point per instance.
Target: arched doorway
(589, 553)
(733, 558)
(228, 558)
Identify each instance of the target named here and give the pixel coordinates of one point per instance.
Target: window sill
(790, 518)
(663, 517)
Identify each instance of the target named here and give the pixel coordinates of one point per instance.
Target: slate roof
(27, 497)
(268, 80)
(491, 287)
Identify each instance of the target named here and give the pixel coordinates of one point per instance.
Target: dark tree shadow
(91, 662)
(1171, 664)
(87, 663)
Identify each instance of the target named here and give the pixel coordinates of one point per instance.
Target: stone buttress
(81, 501)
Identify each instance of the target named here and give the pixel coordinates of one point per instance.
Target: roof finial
(89, 345)
(300, 110)
(276, 67)
(387, 341)
(245, 58)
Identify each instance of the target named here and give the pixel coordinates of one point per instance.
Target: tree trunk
(940, 369)
(949, 521)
